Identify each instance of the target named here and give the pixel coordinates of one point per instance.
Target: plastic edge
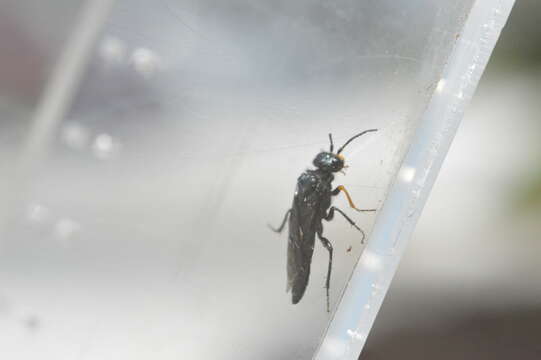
(349, 328)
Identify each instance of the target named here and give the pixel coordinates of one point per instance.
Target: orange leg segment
(341, 188)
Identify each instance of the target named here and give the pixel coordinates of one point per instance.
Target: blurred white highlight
(105, 146)
(335, 347)
(65, 228)
(145, 61)
(112, 50)
(74, 136)
(356, 335)
(38, 213)
(371, 261)
(407, 173)
(441, 85)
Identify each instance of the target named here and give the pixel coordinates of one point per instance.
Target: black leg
(330, 216)
(327, 244)
(279, 230)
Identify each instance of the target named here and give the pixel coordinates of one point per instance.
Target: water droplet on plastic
(112, 50)
(104, 146)
(75, 136)
(356, 335)
(145, 61)
(38, 213)
(32, 323)
(66, 228)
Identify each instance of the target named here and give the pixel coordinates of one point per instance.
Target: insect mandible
(311, 205)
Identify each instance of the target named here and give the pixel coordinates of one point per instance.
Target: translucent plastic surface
(143, 232)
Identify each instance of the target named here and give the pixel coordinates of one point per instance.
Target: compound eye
(336, 163)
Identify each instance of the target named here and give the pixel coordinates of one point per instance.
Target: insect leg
(350, 201)
(279, 229)
(330, 216)
(327, 244)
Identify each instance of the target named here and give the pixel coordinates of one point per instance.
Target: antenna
(353, 138)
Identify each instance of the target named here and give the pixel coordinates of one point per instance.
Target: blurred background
(92, 265)
(469, 284)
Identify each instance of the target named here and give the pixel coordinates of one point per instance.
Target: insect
(311, 205)
(349, 249)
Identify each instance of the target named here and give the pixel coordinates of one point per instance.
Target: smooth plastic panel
(136, 225)
(352, 322)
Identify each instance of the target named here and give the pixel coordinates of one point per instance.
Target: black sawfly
(311, 205)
